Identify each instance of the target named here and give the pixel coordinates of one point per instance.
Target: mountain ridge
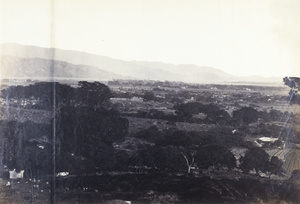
(17, 67)
(81, 62)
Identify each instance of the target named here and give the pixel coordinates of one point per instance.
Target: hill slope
(45, 68)
(84, 65)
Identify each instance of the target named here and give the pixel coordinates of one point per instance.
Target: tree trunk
(189, 169)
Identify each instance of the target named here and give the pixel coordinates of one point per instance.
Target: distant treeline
(178, 84)
(46, 95)
(195, 112)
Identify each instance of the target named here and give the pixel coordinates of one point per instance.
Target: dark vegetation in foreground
(91, 142)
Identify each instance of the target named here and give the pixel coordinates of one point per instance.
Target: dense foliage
(294, 84)
(188, 143)
(79, 137)
(49, 95)
(88, 134)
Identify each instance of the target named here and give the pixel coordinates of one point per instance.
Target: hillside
(32, 61)
(46, 68)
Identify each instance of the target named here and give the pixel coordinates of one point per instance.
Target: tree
(246, 115)
(175, 137)
(185, 112)
(43, 92)
(151, 134)
(86, 129)
(149, 96)
(89, 133)
(256, 159)
(25, 147)
(189, 157)
(93, 95)
(294, 84)
(215, 155)
(295, 175)
(153, 113)
(174, 160)
(218, 116)
(275, 166)
(168, 158)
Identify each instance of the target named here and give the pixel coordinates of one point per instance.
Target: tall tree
(294, 84)
(215, 155)
(246, 115)
(256, 159)
(93, 94)
(275, 166)
(89, 133)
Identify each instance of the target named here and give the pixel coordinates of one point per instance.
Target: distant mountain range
(17, 67)
(36, 62)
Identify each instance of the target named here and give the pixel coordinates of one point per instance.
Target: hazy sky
(242, 37)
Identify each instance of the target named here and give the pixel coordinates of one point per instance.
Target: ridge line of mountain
(123, 69)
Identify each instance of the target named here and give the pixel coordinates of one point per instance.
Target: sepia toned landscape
(146, 141)
(149, 101)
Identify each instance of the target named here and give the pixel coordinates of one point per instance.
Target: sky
(241, 37)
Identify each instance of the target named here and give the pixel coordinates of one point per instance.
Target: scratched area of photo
(139, 102)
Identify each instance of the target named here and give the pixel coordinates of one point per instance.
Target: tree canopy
(215, 155)
(256, 159)
(85, 128)
(294, 84)
(87, 94)
(246, 115)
